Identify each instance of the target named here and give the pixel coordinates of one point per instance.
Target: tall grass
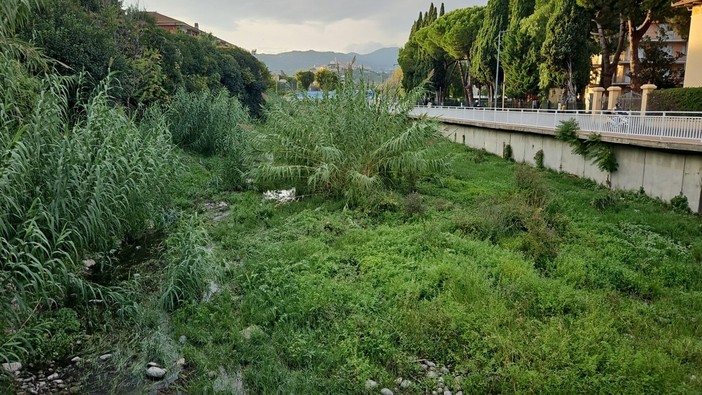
(190, 265)
(66, 188)
(344, 145)
(212, 124)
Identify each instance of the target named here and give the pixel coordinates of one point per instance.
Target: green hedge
(677, 99)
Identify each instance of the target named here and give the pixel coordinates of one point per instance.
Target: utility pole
(497, 69)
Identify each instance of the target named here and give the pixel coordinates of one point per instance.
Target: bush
(507, 152)
(677, 99)
(680, 203)
(344, 144)
(593, 147)
(539, 159)
(531, 185)
(414, 205)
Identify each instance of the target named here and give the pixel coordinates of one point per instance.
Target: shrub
(604, 201)
(593, 147)
(507, 152)
(344, 144)
(539, 159)
(540, 242)
(531, 185)
(479, 155)
(414, 205)
(677, 99)
(680, 203)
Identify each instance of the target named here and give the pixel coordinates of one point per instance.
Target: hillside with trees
(97, 38)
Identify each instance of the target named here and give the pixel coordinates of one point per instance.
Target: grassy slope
(342, 296)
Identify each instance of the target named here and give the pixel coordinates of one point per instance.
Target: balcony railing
(684, 127)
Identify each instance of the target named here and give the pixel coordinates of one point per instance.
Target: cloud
(273, 26)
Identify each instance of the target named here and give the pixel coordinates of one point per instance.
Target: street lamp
(497, 69)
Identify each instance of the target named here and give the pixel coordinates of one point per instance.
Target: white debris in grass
(281, 196)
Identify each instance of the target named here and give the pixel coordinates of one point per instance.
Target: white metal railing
(651, 126)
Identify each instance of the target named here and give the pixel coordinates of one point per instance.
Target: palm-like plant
(351, 144)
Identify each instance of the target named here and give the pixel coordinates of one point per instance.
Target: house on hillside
(173, 25)
(673, 45)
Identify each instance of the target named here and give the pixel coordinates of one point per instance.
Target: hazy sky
(273, 26)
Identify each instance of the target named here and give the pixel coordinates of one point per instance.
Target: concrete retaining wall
(662, 174)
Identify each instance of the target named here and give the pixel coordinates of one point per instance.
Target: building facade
(693, 78)
(673, 44)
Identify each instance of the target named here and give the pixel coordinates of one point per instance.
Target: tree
(521, 52)
(566, 50)
(639, 16)
(455, 33)
(483, 54)
(420, 58)
(305, 78)
(609, 28)
(657, 63)
(327, 80)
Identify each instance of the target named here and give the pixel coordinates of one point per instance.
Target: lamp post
(497, 69)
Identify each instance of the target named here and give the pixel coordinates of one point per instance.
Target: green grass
(340, 296)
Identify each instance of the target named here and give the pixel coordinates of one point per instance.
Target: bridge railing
(684, 126)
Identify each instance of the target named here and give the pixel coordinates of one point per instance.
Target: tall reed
(212, 124)
(352, 144)
(66, 188)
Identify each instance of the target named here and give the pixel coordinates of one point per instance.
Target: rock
(251, 331)
(447, 392)
(155, 372)
(459, 393)
(182, 339)
(180, 363)
(88, 263)
(370, 384)
(12, 367)
(432, 374)
(398, 380)
(405, 383)
(441, 386)
(52, 377)
(434, 393)
(105, 357)
(152, 364)
(431, 364)
(75, 360)
(210, 292)
(424, 366)
(220, 217)
(386, 391)
(444, 370)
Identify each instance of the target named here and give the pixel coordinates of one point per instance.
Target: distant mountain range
(384, 59)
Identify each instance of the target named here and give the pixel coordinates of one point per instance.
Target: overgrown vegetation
(346, 144)
(212, 124)
(505, 274)
(593, 148)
